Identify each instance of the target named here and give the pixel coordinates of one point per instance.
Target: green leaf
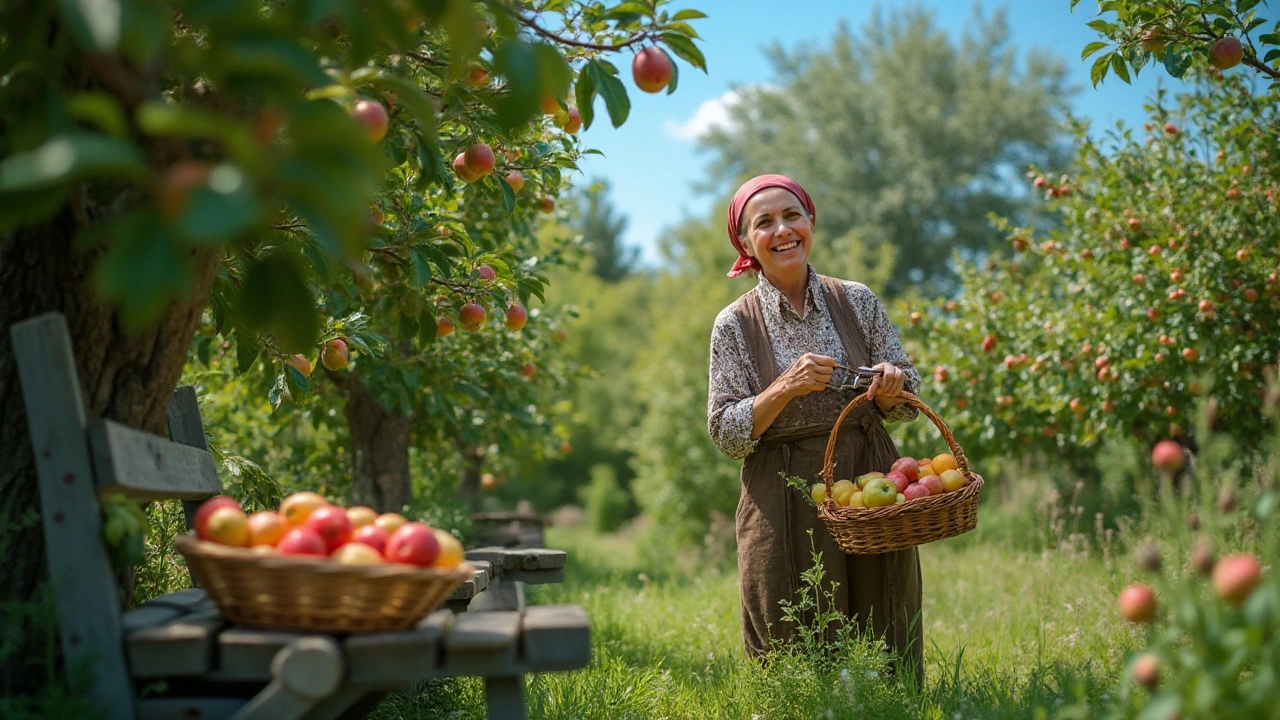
(684, 29)
(629, 8)
(611, 88)
(1176, 61)
(1092, 48)
(1099, 69)
(675, 74)
(247, 351)
(101, 109)
(426, 328)
(422, 265)
(143, 268)
(161, 118)
(95, 24)
(274, 56)
(69, 157)
(1119, 66)
(299, 384)
(508, 195)
(685, 48)
(276, 298)
(222, 208)
(276, 392)
(585, 94)
(689, 15)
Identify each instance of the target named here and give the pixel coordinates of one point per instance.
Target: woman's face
(779, 232)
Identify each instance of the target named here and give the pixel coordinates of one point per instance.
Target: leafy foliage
(1159, 290)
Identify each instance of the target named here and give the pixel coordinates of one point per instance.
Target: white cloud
(710, 114)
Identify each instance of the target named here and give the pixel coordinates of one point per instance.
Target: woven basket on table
(866, 531)
(314, 594)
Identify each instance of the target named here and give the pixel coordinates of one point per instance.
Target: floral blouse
(733, 372)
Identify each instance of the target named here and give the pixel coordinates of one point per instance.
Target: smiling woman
(778, 355)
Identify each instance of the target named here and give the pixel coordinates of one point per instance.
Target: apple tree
(1157, 292)
(1182, 35)
(164, 157)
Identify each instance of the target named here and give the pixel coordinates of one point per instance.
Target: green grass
(1009, 634)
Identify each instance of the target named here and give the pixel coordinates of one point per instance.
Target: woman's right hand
(809, 373)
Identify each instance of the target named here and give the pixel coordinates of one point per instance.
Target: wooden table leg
(505, 696)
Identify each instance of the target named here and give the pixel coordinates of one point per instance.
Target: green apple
(864, 479)
(879, 493)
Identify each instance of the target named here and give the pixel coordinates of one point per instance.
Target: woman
(774, 354)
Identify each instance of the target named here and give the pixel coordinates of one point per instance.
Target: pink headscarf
(739, 203)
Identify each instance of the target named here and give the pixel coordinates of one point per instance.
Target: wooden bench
(211, 669)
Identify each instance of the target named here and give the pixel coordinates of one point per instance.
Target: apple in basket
(331, 524)
(206, 509)
(898, 479)
(907, 466)
(354, 553)
(415, 544)
(865, 478)
(879, 492)
(371, 535)
(916, 491)
(933, 483)
(953, 480)
(302, 541)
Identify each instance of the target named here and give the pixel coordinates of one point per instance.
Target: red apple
(414, 544)
(479, 159)
(988, 343)
(486, 272)
(1226, 53)
(529, 369)
(549, 105)
(546, 205)
(444, 327)
(335, 354)
(465, 174)
(471, 316)
(907, 466)
(516, 317)
(201, 521)
(301, 364)
(477, 75)
(651, 69)
(941, 373)
(373, 117)
(899, 480)
(932, 483)
(302, 541)
(331, 524)
(515, 179)
(1235, 577)
(1146, 671)
(1250, 295)
(1138, 604)
(1190, 354)
(1170, 129)
(371, 535)
(915, 491)
(574, 123)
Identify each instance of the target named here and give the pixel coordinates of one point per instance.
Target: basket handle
(828, 464)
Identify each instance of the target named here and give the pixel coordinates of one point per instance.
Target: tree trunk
(380, 450)
(472, 463)
(127, 378)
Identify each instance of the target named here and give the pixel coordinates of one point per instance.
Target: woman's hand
(809, 373)
(886, 388)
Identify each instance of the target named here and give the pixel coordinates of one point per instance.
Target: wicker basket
(282, 592)
(866, 531)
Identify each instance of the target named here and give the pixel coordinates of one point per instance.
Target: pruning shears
(862, 373)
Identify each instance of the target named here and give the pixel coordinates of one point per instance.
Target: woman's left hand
(886, 388)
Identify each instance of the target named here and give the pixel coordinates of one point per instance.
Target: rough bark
(127, 378)
(379, 448)
(472, 464)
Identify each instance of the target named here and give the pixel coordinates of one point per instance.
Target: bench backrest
(75, 460)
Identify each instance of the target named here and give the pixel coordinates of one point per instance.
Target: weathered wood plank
(186, 427)
(535, 577)
(482, 643)
(555, 637)
(148, 466)
(506, 559)
(202, 708)
(188, 599)
(304, 675)
(246, 655)
(184, 647)
(505, 697)
(501, 595)
(79, 569)
(473, 585)
(149, 616)
(389, 660)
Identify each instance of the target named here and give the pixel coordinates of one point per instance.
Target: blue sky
(652, 162)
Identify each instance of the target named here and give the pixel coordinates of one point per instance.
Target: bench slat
(180, 648)
(535, 577)
(556, 637)
(482, 643)
(148, 466)
(507, 559)
(395, 659)
(245, 655)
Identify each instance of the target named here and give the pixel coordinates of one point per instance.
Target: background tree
(602, 230)
(158, 156)
(905, 135)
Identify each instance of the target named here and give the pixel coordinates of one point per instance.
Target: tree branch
(532, 24)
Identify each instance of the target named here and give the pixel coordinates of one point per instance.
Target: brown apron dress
(880, 593)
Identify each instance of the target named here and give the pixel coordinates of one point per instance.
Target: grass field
(1010, 633)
